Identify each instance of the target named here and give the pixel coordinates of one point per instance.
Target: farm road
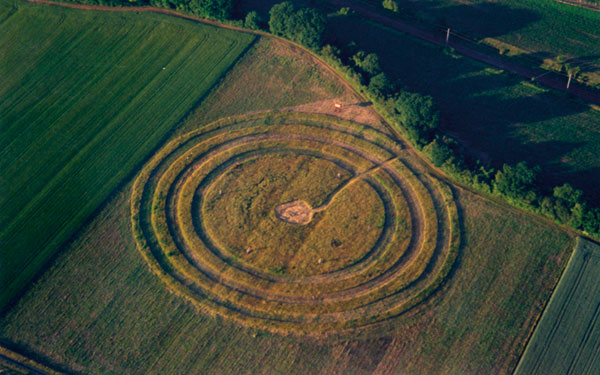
(544, 77)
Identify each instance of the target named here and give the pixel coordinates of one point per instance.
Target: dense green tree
(308, 28)
(305, 26)
(439, 151)
(418, 115)
(578, 213)
(219, 9)
(279, 18)
(591, 221)
(517, 182)
(252, 21)
(369, 64)
(567, 194)
(391, 5)
(380, 85)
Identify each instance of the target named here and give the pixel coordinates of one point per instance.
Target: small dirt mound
(296, 212)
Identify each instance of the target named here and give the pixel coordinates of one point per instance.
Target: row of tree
(215, 9)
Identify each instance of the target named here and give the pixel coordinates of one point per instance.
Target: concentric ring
(209, 194)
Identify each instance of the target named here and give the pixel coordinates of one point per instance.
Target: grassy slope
(85, 97)
(100, 310)
(497, 115)
(275, 76)
(567, 338)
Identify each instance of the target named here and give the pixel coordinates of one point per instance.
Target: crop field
(542, 127)
(567, 339)
(85, 97)
(99, 309)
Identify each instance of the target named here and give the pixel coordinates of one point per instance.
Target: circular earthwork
(294, 223)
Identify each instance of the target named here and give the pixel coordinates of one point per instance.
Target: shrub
(252, 21)
(305, 26)
(381, 86)
(517, 183)
(439, 151)
(218, 9)
(391, 5)
(417, 113)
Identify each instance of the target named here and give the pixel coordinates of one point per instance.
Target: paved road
(544, 77)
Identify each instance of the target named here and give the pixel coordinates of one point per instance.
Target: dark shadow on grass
(496, 114)
(32, 354)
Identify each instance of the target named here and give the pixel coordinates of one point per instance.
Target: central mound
(296, 212)
(294, 223)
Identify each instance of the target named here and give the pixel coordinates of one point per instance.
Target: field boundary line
(580, 4)
(13, 359)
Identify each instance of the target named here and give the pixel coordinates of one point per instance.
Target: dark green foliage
(591, 221)
(252, 21)
(219, 9)
(280, 15)
(567, 195)
(304, 26)
(368, 64)
(390, 5)
(439, 151)
(516, 182)
(381, 86)
(417, 113)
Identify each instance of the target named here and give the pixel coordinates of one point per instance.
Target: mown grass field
(85, 97)
(499, 117)
(567, 339)
(277, 76)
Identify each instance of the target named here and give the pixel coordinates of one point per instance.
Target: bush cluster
(304, 25)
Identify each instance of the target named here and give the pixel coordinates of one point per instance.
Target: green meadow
(567, 338)
(85, 97)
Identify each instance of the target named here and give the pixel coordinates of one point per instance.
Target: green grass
(85, 97)
(534, 25)
(567, 338)
(533, 32)
(277, 76)
(496, 115)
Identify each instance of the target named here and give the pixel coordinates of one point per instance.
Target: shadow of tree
(494, 113)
